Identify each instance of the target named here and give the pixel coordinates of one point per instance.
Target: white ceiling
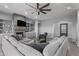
(58, 9)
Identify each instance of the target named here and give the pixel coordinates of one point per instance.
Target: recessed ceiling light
(6, 6)
(68, 8)
(25, 13)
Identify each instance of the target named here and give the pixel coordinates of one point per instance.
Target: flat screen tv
(21, 23)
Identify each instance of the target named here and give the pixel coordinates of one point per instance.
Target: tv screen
(21, 23)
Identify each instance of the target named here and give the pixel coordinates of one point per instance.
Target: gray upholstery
(39, 46)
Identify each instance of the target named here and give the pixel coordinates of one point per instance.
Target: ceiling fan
(39, 9)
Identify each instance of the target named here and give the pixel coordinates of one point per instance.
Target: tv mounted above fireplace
(21, 23)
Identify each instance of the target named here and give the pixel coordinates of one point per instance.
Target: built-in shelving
(1, 26)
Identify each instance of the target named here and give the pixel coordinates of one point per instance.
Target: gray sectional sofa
(11, 47)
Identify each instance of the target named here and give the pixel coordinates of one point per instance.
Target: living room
(38, 25)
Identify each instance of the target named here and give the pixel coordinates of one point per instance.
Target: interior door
(64, 29)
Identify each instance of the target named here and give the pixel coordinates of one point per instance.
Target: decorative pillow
(13, 41)
(59, 41)
(17, 37)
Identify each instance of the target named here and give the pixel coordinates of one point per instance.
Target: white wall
(71, 30)
(5, 16)
(78, 28)
(47, 25)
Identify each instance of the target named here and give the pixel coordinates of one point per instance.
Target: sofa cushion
(53, 40)
(57, 39)
(17, 37)
(27, 50)
(13, 41)
(62, 51)
(8, 49)
(61, 39)
(52, 47)
(1, 51)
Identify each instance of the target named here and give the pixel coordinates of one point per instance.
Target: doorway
(64, 29)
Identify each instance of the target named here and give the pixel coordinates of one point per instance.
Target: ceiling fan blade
(37, 5)
(43, 12)
(31, 6)
(46, 9)
(45, 5)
